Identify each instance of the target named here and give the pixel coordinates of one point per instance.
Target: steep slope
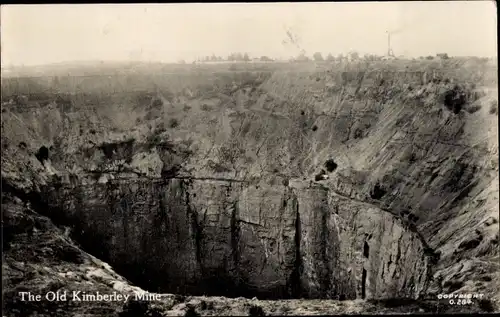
(226, 175)
(41, 258)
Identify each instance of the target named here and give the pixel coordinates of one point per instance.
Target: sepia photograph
(250, 159)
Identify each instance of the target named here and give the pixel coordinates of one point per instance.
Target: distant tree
(265, 59)
(318, 57)
(340, 57)
(443, 56)
(213, 58)
(182, 61)
(246, 58)
(354, 56)
(302, 58)
(219, 58)
(238, 57)
(429, 57)
(371, 57)
(330, 58)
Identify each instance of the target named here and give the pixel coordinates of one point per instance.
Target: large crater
(338, 185)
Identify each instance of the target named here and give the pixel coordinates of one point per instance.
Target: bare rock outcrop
(215, 194)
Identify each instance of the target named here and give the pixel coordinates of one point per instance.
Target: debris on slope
(421, 154)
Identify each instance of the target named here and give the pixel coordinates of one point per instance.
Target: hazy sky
(39, 34)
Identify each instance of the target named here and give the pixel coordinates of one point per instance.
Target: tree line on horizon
(302, 57)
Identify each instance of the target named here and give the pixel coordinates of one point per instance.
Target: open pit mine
(252, 189)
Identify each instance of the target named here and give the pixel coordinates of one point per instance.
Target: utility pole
(389, 49)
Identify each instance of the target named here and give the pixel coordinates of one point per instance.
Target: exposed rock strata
(212, 195)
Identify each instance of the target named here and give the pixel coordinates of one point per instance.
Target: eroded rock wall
(231, 238)
(196, 179)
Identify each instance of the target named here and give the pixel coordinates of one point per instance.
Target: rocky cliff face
(229, 192)
(230, 238)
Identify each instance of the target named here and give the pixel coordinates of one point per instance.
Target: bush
(206, 306)
(191, 312)
(179, 299)
(330, 165)
(377, 192)
(173, 123)
(156, 103)
(42, 154)
(231, 153)
(135, 308)
(358, 134)
(455, 99)
(256, 311)
(486, 305)
(473, 109)
(494, 107)
(205, 107)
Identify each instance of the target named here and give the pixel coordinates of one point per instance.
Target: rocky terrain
(250, 190)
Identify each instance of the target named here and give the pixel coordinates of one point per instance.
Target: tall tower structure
(390, 52)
